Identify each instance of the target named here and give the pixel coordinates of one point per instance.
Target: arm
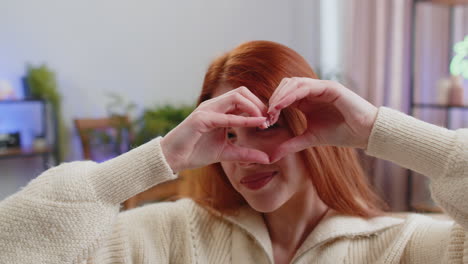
(66, 214)
(441, 155)
(63, 215)
(338, 117)
(438, 153)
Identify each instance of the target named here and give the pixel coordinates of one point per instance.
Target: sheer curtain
(377, 63)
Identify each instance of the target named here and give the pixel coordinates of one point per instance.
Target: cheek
(229, 170)
(293, 169)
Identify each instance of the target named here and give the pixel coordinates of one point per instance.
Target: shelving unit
(414, 106)
(47, 153)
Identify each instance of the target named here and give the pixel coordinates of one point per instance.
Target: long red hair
(335, 172)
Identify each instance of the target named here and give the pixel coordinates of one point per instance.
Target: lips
(257, 181)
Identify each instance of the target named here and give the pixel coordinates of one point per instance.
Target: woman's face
(265, 187)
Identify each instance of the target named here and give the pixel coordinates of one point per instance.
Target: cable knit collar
(331, 227)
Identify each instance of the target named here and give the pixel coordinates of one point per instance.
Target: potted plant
(152, 122)
(158, 121)
(42, 84)
(119, 135)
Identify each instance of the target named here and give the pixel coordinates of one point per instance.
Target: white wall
(151, 52)
(331, 35)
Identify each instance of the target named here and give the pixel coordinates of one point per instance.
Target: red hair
(335, 171)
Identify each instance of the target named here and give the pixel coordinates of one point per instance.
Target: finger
(236, 153)
(289, 86)
(245, 92)
(277, 90)
(291, 98)
(312, 89)
(294, 145)
(272, 116)
(236, 103)
(218, 120)
(323, 90)
(253, 98)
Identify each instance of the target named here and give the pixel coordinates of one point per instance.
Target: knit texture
(70, 213)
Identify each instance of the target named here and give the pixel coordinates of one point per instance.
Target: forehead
(222, 89)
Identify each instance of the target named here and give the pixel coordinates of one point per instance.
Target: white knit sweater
(70, 213)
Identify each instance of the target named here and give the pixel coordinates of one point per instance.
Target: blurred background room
(93, 79)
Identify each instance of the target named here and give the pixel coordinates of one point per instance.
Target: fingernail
(271, 119)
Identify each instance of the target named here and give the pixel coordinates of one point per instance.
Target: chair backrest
(87, 125)
(164, 191)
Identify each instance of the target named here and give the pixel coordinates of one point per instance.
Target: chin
(265, 203)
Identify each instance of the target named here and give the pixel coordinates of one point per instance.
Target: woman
(281, 184)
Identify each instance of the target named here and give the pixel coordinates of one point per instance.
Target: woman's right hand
(335, 115)
(201, 138)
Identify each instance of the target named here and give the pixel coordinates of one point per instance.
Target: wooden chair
(165, 191)
(87, 126)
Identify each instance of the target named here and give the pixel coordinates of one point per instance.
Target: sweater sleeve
(438, 153)
(65, 214)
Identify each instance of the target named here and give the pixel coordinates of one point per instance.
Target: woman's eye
(230, 135)
(275, 125)
(269, 128)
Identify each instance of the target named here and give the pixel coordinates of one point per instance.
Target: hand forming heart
(335, 116)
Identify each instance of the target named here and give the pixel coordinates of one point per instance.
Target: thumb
(236, 153)
(294, 145)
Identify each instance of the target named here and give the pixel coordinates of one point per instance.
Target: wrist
(168, 155)
(370, 127)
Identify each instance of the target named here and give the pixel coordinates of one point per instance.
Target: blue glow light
(21, 117)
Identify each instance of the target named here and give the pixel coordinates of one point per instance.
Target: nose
(252, 142)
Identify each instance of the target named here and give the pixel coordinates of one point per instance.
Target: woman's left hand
(335, 115)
